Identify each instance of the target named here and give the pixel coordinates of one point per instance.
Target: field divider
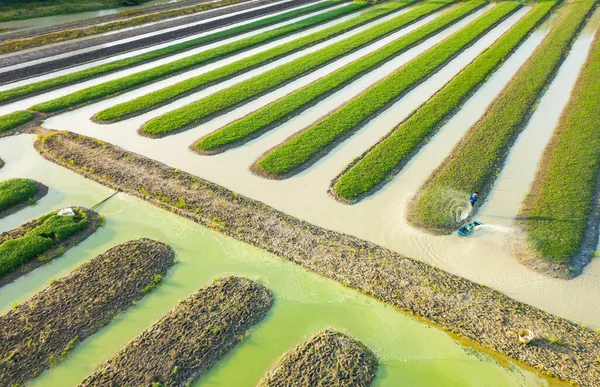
(44, 329)
(186, 87)
(307, 146)
(227, 99)
(382, 161)
(478, 158)
(559, 215)
(190, 339)
(270, 116)
(138, 79)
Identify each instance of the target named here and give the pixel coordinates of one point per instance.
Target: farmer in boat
(473, 199)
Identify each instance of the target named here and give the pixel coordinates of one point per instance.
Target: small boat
(468, 228)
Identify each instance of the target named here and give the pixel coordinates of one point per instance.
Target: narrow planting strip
(132, 81)
(105, 50)
(41, 240)
(560, 214)
(185, 117)
(14, 120)
(307, 146)
(381, 162)
(16, 194)
(478, 158)
(329, 358)
(185, 343)
(174, 67)
(179, 90)
(283, 109)
(40, 332)
(409, 285)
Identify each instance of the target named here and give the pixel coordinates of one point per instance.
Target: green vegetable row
(160, 97)
(378, 164)
(128, 82)
(12, 120)
(184, 117)
(317, 139)
(16, 191)
(285, 108)
(53, 230)
(92, 72)
(557, 211)
(478, 158)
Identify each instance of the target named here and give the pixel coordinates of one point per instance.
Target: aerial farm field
(277, 193)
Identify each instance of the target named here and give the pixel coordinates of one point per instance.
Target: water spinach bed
(55, 37)
(16, 194)
(186, 342)
(306, 146)
(275, 113)
(560, 212)
(13, 120)
(179, 90)
(38, 333)
(411, 286)
(41, 240)
(107, 50)
(186, 116)
(378, 164)
(328, 358)
(129, 82)
(477, 159)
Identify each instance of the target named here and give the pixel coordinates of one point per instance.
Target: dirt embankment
(38, 333)
(329, 358)
(190, 339)
(58, 249)
(473, 311)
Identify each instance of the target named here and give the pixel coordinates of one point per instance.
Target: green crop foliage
(290, 105)
(564, 189)
(186, 116)
(16, 191)
(79, 76)
(316, 139)
(12, 120)
(478, 158)
(378, 164)
(167, 94)
(36, 242)
(120, 85)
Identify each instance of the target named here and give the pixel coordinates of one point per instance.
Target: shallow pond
(410, 352)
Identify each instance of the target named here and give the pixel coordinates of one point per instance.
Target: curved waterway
(410, 352)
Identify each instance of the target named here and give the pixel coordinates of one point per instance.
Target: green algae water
(410, 352)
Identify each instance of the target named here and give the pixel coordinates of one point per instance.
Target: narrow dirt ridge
(474, 311)
(190, 339)
(329, 358)
(38, 333)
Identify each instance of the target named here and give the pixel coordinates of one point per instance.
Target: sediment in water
(328, 358)
(190, 339)
(38, 333)
(59, 248)
(458, 305)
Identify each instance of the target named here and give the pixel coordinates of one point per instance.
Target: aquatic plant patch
(160, 97)
(43, 239)
(120, 85)
(410, 285)
(378, 164)
(329, 358)
(288, 106)
(41, 331)
(15, 119)
(16, 192)
(559, 210)
(185, 343)
(121, 64)
(477, 159)
(322, 136)
(186, 116)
